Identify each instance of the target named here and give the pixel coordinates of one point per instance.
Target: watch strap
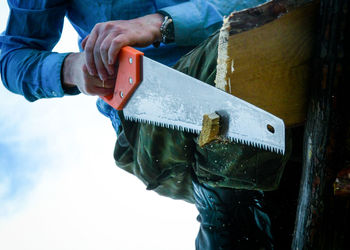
(166, 30)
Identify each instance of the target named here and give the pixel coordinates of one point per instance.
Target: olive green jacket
(166, 160)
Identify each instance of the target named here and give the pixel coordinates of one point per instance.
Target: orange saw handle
(128, 77)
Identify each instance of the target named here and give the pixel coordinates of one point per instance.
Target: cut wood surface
(210, 129)
(265, 54)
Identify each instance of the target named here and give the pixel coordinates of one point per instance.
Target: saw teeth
(159, 124)
(195, 131)
(257, 145)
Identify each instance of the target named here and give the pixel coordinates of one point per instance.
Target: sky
(60, 188)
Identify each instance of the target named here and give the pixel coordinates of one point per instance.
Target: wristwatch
(166, 31)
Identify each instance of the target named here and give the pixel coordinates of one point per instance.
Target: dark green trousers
(225, 181)
(231, 219)
(165, 159)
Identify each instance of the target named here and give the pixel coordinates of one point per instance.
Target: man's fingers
(94, 86)
(85, 70)
(116, 44)
(95, 81)
(93, 90)
(105, 45)
(101, 91)
(102, 47)
(101, 70)
(110, 83)
(83, 43)
(89, 53)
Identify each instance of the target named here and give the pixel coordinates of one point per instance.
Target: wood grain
(269, 66)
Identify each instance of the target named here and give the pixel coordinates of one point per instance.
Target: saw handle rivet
(121, 94)
(130, 60)
(270, 128)
(130, 80)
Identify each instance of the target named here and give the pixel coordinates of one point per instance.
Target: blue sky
(60, 188)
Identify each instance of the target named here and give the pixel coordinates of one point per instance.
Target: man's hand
(75, 74)
(106, 39)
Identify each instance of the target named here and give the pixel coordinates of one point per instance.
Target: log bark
(342, 183)
(318, 224)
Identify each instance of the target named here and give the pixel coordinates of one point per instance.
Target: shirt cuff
(189, 26)
(52, 76)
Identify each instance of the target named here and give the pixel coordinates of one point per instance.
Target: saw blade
(171, 99)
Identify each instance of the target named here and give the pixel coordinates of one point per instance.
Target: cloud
(60, 188)
(4, 185)
(63, 190)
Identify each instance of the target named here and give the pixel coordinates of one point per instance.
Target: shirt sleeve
(28, 67)
(195, 20)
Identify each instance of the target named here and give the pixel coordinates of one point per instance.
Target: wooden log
(318, 217)
(264, 56)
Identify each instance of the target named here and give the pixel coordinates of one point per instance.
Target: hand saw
(153, 93)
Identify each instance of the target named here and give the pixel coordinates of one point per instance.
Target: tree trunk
(318, 212)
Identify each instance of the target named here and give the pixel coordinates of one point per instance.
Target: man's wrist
(68, 71)
(152, 23)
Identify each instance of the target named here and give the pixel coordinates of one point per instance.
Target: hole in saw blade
(270, 128)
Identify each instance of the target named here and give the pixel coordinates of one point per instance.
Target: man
(230, 219)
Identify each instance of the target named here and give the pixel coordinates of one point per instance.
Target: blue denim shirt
(29, 68)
